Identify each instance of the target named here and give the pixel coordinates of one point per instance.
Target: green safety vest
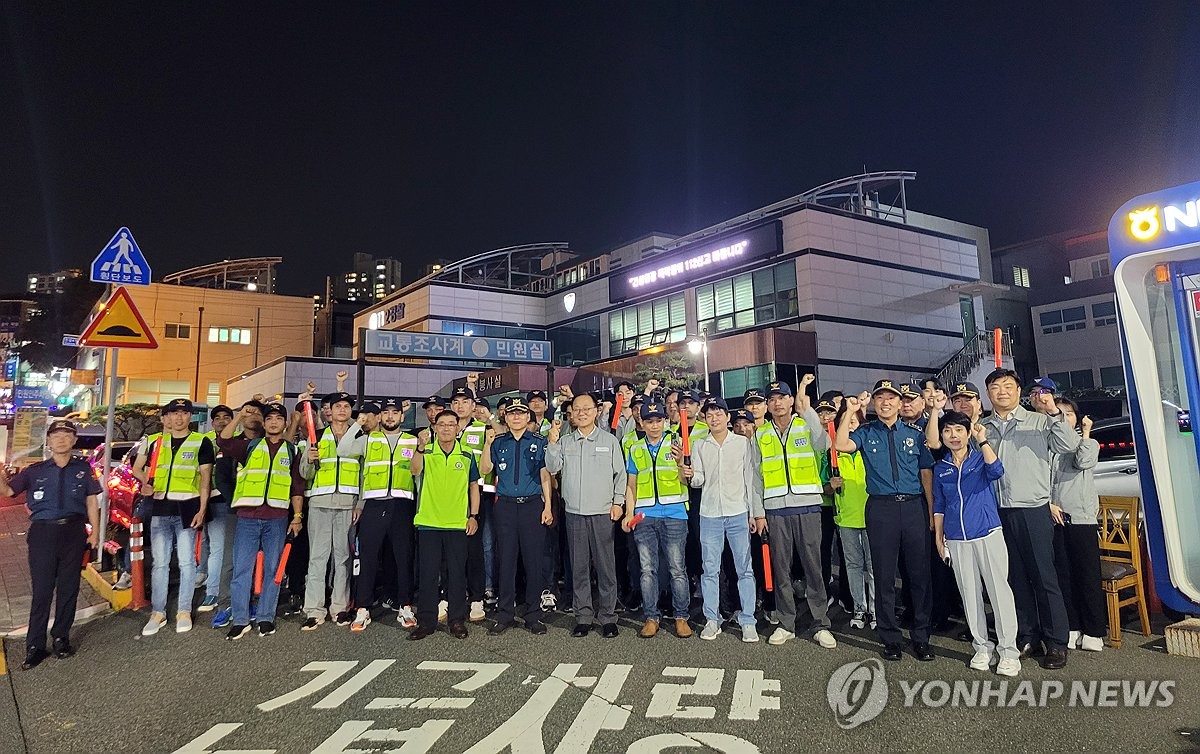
(698, 431)
(788, 469)
(472, 439)
(444, 500)
(851, 502)
(177, 476)
(334, 473)
(627, 442)
(385, 469)
(263, 479)
(544, 425)
(214, 493)
(658, 481)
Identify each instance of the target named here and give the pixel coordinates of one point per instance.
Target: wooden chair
(1121, 562)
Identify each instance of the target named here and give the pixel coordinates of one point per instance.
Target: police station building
(843, 279)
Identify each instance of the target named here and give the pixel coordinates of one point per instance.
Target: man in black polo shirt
(899, 511)
(61, 498)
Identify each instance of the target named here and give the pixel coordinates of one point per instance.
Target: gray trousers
(590, 542)
(800, 534)
(328, 533)
(980, 564)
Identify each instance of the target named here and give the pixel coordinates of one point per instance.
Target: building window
(738, 381)
(576, 342)
(173, 331)
(749, 299)
(1100, 268)
(1059, 320)
(1051, 322)
(1079, 378)
(1112, 377)
(650, 324)
(1105, 314)
(1021, 276)
(236, 335)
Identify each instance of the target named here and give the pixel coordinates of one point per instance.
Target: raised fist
(807, 380)
(555, 431)
(405, 406)
(342, 375)
(312, 388)
(853, 403)
(472, 378)
(1086, 423)
(652, 384)
(489, 434)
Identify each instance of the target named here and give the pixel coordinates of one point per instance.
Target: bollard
(137, 599)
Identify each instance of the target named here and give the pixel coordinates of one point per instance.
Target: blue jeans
(714, 532)
(168, 533)
(250, 536)
(857, 551)
(218, 534)
(665, 538)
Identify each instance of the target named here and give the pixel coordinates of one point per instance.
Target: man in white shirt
(723, 465)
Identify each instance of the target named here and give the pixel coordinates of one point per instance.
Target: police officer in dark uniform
(61, 495)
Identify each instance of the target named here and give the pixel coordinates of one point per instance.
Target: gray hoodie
(1024, 444)
(1074, 488)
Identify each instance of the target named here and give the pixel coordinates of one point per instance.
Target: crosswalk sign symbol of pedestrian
(121, 261)
(118, 324)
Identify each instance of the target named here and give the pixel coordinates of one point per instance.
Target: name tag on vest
(188, 455)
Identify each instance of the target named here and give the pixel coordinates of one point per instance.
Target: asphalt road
(374, 691)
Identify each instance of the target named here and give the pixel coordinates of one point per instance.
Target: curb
(103, 587)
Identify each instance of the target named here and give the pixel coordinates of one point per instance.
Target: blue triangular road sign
(121, 261)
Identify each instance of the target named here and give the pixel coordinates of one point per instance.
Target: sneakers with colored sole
(208, 605)
(407, 617)
(157, 621)
(237, 632)
(362, 619)
(311, 624)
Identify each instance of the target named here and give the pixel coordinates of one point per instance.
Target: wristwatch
(473, 515)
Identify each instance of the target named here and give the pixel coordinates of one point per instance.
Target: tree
(131, 421)
(673, 370)
(40, 338)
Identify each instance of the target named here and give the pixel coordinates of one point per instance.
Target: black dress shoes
(33, 658)
(892, 652)
(1056, 659)
(581, 630)
(609, 631)
(63, 649)
(923, 652)
(500, 627)
(420, 632)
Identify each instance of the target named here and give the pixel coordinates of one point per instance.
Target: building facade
(41, 283)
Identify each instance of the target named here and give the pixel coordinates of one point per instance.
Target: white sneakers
(183, 622)
(1091, 643)
(157, 621)
(443, 608)
(982, 660)
(781, 636)
(712, 630)
(749, 634)
(407, 618)
(1072, 639)
(825, 639)
(477, 613)
(549, 601)
(124, 582)
(362, 619)
(1008, 666)
(859, 620)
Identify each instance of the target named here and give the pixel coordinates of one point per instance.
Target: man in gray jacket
(593, 487)
(1024, 441)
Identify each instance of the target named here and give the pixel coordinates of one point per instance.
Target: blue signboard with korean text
(417, 345)
(25, 396)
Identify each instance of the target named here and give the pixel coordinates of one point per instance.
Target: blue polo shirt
(893, 457)
(54, 492)
(518, 464)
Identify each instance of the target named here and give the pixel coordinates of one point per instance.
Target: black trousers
(297, 565)
(1077, 560)
(895, 527)
(55, 559)
(385, 521)
(476, 581)
(443, 555)
(520, 532)
(1041, 613)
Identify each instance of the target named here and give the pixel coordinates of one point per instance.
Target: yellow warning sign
(118, 324)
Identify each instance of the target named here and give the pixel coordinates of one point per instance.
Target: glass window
(1074, 318)
(1063, 379)
(1082, 378)
(1100, 267)
(1021, 276)
(1112, 376)
(748, 299)
(175, 331)
(1051, 321)
(654, 322)
(1104, 314)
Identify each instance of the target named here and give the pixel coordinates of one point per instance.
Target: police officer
(538, 403)
(61, 498)
(523, 510)
(899, 512)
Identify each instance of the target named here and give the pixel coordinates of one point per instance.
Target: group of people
(646, 499)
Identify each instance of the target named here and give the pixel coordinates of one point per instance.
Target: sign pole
(108, 433)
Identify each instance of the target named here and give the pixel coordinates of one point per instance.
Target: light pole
(699, 345)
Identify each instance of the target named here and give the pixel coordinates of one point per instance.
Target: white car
(1116, 473)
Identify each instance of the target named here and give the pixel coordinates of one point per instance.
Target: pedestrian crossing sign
(118, 324)
(121, 262)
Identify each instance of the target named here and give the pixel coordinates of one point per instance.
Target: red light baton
(996, 336)
(199, 543)
(833, 454)
(616, 417)
(687, 445)
(258, 569)
(283, 559)
(637, 519)
(312, 426)
(768, 578)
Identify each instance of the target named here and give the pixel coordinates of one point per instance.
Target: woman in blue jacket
(968, 536)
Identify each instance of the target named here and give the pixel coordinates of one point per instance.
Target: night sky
(311, 134)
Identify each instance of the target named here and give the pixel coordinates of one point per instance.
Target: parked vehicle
(1116, 472)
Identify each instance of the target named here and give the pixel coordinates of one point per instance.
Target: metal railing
(971, 355)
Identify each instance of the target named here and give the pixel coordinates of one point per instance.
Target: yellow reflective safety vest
(265, 479)
(658, 481)
(698, 431)
(471, 438)
(627, 442)
(444, 500)
(177, 475)
(385, 469)
(334, 473)
(789, 463)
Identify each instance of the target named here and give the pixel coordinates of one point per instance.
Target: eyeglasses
(444, 425)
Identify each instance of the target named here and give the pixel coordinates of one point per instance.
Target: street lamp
(697, 346)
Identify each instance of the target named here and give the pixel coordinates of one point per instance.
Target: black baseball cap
(462, 392)
(968, 389)
(714, 403)
(503, 403)
(274, 408)
(754, 394)
(338, 397)
(178, 404)
(392, 403)
(220, 408)
(886, 386)
(483, 402)
(654, 410)
(536, 394)
(516, 404)
(689, 395)
(62, 425)
(741, 414)
(369, 408)
(825, 404)
(637, 400)
(434, 400)
(910, 390)
(778, 388)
